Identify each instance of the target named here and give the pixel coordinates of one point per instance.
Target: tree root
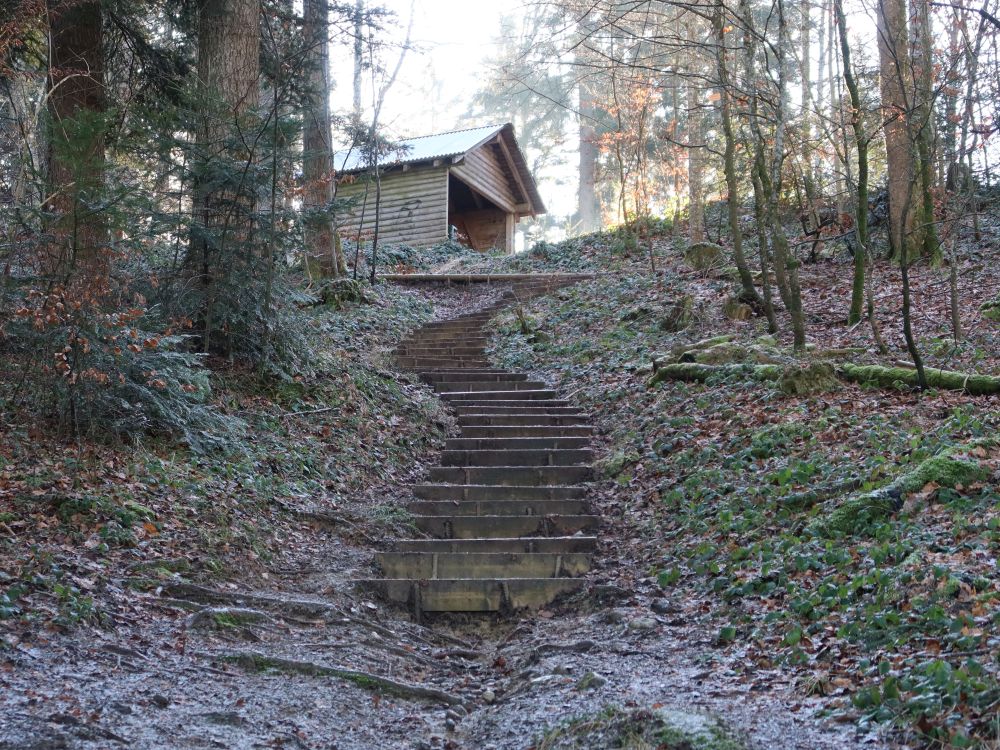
(946, 469)
(578, 647)
(293, 607)
(226, 617)
(259, 662)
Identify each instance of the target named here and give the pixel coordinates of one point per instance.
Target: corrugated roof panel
(422, 148)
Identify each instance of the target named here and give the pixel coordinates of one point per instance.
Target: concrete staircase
(507, 523)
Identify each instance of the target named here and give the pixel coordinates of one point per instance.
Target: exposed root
(260, 662)
(577, 647)
(226, 617)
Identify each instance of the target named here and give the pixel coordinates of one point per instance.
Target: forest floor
(153, 598)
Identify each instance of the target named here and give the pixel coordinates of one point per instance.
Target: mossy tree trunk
(748, 292)
(861, 198)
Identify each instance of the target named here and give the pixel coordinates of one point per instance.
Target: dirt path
(297, 658)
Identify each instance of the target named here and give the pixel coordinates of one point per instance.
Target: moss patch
(639, 729)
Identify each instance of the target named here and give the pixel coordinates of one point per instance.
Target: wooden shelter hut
(471, 185)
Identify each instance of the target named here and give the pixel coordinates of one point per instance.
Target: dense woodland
(790, 346)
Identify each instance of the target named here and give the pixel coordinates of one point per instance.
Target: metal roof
(422, 148)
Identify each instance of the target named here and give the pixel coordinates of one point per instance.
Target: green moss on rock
(703, 256)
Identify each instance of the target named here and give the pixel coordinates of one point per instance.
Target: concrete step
(483, 419)
(472, 335)
(429, 363)
(419, 350)
(525, 432)
(474, 527)
(551, 544)
(511, 475)
(556, 442)
(472, 386)
(486, 376)
(479, 565)
(464, 595)
(498, 507)
(499, 408)
(481, 492)
(471, 398)
(518, 457)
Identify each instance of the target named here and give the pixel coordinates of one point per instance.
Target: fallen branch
(259, 662)
(697, 372)
(976, 385)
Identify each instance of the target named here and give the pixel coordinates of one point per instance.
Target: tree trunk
(861, 198)
(696, 157)
(588, 209)
(783, 255)
(895, 77)
(75, 143)
(228, 80)
(923, 126)
(321, 246)
(359, 12)
(748, 292)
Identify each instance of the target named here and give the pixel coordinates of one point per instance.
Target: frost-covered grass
(894, 617)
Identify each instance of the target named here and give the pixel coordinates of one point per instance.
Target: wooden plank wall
(414, 207)
(481, 170)
(488, 228)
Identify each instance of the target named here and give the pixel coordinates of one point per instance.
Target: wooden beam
(513, 171)
(469, 180)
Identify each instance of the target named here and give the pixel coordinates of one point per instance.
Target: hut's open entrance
(479, 223)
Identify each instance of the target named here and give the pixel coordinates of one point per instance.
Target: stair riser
(555, 544)
(526, 432)
(571, 457)
(517, 443)
(498, 408)
(479, 420)
(508, 475)
(424, 565)
(498, 508)
(467, 398)
(494, 377)
(478, 493)
(440, 351)
(510, 386)
(474, 596)
(496, 527)
(416, 363)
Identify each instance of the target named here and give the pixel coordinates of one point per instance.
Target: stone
(590, 681)
(664, 607)
(703, 256)
(733, 309)
(489, 696)
(642, 624)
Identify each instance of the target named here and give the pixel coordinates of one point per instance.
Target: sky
(452, 41)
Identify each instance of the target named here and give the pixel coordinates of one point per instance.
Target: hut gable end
(472, 185)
